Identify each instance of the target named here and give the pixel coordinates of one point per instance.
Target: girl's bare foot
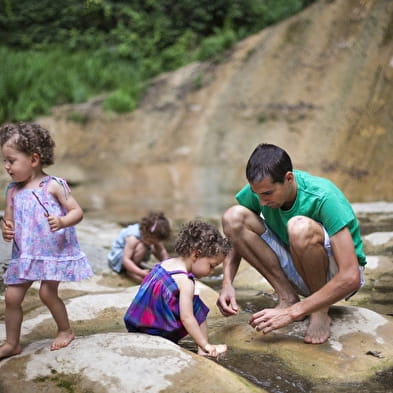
(7, 350)
(318, 330)
(62, 340)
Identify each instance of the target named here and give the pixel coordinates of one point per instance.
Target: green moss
(71, 383)
(78, 118)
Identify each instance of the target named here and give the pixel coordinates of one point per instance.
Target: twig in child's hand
(16, 244)
(43, 206)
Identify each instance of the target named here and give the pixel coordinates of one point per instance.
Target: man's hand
(226, 301)
(270, 319)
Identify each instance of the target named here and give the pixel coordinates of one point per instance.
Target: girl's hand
(215, 350)
(7, 229)
(55, 223)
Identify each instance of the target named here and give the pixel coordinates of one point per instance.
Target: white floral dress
(38, 253)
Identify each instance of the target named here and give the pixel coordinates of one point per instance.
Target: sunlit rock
(360, 345)
(117, 363)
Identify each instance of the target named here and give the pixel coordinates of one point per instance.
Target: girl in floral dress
(39, 219)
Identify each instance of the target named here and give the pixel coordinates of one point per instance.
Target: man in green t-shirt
(300, 232)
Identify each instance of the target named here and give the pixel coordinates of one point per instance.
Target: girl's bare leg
(14, 296)
(49, 296)
(133, 266)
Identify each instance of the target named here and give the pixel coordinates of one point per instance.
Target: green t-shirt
(317, 198)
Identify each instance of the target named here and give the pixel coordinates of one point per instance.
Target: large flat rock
(117, 363)
(361, 345)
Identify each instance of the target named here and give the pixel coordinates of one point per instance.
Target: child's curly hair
(29, 138)
(202, 237)
(155, 225)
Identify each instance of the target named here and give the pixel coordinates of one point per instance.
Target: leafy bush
(212, 47)
(56, 77)
(61, 51)
(120, 101)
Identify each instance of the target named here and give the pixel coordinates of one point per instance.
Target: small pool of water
(270, 373)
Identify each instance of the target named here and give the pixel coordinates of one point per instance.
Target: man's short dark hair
(268, 160)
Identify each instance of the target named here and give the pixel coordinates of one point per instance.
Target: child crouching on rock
(165, 304)
(136, 242)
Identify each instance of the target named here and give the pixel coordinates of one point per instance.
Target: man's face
(276, 195)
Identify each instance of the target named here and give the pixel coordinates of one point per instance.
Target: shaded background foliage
(70, 50)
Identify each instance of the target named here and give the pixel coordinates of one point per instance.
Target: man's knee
(238, 219)
(233, 219)
(304, 231)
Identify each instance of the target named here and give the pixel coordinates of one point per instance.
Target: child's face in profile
(150, 240)
(17, 164)
(204, 266)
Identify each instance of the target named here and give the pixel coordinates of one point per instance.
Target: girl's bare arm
(74, 211)
(7, 222)
(160, 252)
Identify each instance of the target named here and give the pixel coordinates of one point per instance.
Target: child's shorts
(286, 262)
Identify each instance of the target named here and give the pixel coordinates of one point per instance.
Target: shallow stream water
(270, 373)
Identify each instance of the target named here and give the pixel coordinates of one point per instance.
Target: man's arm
(226, 301)
(347, 279)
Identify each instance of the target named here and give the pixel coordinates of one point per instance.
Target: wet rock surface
(357, 357)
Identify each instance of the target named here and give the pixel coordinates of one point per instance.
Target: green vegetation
(67, 51)
(66, 383)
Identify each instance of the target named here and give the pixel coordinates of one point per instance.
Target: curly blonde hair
(202, 237)
(29, 138)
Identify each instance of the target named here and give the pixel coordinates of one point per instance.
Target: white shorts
(286, 262)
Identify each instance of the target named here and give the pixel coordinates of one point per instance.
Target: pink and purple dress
(155, 308)
(38, 253)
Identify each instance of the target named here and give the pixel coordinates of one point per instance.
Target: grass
(31, 82)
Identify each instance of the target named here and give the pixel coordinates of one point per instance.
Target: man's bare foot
(318, 330)
(62, 340)
(7, 350)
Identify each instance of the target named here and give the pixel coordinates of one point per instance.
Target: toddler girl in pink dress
(39, 219)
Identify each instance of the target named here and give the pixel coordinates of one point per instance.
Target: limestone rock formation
(319, 84)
